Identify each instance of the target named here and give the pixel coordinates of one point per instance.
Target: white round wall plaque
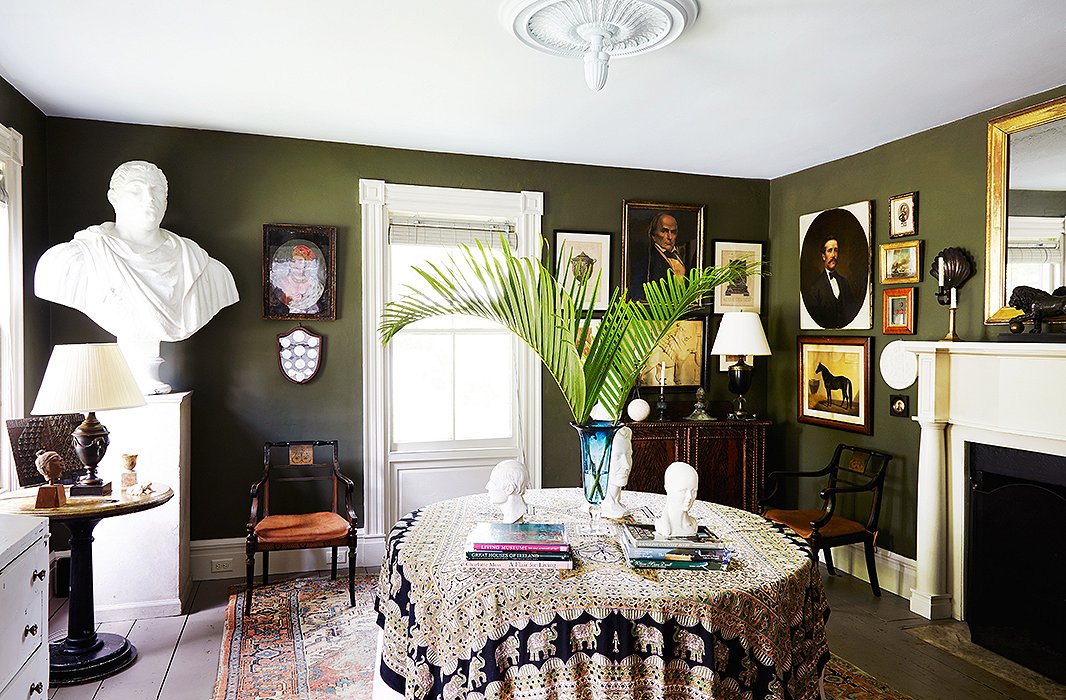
(899, 367)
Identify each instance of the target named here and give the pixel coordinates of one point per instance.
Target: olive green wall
(224, 187)
(18, 113)
(946, 166)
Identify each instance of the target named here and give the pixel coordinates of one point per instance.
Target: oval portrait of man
(835, 268)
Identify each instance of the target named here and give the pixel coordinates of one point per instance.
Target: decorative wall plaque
(300, 354)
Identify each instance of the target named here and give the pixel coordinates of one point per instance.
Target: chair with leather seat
(300, 480)
(851, 471)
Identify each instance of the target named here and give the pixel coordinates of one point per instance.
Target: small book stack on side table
(518, 546)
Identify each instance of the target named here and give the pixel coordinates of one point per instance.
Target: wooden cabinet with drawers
(24, 606)
(730, 457)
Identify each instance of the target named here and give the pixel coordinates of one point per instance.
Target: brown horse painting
(833, 383)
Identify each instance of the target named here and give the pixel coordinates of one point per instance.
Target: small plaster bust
(681, 482)
(50, 465)
(507, 484)
(621, 464)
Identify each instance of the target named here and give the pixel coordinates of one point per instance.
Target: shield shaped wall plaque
(300, 354)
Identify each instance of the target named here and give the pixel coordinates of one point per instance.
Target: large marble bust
(134, 279)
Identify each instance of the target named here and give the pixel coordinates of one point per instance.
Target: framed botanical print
(898, 311)
(657, 240)
(901, 263)
(588, 255)
(903, 215)
(744, 294)
(299, 272)
(834, 382)
(679, 361)
(835, 268)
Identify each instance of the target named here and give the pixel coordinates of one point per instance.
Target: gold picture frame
(900, 263)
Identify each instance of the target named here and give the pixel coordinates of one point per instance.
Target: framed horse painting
(834, 382)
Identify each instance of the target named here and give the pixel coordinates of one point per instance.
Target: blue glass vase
(595, 437)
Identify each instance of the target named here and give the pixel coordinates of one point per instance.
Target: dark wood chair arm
(349, 489)
(253, 518)
(870, 485)
(773, 477)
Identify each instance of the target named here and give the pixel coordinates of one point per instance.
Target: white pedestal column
(141, 561)
(929, 598)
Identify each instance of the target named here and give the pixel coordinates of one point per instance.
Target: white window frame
(12, 327)
(376, 198)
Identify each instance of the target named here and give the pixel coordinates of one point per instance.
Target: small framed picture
(657, 240)
(901, 263)
(903, 215)
(899, 405)
(746, 293)
(589, 256)
(678, 362)
(898, 311)
(299, 272)
(834, 382)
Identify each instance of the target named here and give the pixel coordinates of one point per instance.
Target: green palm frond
(554, 317)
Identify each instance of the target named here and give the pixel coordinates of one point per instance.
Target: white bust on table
(681, 482)
(507, 484)
(134, 279)
(621, 465)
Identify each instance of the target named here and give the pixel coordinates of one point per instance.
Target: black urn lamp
(740, 335)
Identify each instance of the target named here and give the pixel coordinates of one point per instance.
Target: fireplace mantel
(1009, 394)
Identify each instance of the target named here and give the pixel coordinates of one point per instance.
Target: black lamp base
(740, 375)
(101, 489)
(91, 439)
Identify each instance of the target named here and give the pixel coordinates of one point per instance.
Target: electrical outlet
(220, 565)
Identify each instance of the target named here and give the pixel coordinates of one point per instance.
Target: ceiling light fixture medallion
(598, 29)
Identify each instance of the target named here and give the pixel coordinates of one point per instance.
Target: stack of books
(518, 546)
(646, 550)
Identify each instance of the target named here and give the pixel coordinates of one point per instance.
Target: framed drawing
(657, 240)
(299, 272)
(678, 362)
(899, 405)
(901, 263)
(903, 215)
(834, 382)
(589, 256)
(835, 268)
(898, 311)
(746, 293)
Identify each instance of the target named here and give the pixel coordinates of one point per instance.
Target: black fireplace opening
(1016, 556)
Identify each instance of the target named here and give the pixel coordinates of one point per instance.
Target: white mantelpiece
(1006, 394)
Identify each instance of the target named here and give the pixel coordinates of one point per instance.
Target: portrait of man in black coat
(666, 244)
(834, 270)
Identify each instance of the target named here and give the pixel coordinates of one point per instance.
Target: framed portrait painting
(678, 362)
(657, 240)
(744, 294)
(903, 215)
(299, 272)
(588, 255)
(898, 311)
(901, 263)
(835, 268)
(834, 382)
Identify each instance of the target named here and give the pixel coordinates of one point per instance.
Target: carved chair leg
(249, 564)
(829, 561)
(266, 567)
(871, 568)
(333, 565)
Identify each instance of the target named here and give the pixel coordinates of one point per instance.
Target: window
(12, 401)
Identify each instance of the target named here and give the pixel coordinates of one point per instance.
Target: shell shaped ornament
(300, 354)
(958, 267)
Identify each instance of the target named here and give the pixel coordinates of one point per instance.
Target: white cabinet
(23, 607)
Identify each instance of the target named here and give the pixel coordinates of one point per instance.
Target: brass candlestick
(949, 296)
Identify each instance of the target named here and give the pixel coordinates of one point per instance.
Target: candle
(662, 374)
(940, 262)
(954, 300)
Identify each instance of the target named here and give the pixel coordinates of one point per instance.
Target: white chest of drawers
(23, 607)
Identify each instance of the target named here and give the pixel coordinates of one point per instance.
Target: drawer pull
(37, 687)
(30, 631)
(39, 575)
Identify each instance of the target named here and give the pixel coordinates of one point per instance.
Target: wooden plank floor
(178, 656)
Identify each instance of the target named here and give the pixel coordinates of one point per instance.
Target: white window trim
(376, 198)
(12, 327)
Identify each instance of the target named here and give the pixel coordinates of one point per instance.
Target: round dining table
(600, 630)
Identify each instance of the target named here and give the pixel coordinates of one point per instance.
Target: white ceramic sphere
(638, 409)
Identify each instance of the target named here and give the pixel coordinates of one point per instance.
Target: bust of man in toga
(134, 279)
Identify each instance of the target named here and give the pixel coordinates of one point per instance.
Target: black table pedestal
(85, 655)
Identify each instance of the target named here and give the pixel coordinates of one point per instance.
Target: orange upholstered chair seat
(303, 529)
(800, 521)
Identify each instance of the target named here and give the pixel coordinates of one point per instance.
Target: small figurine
(51, 467)
(144, 489)
(1037, 305)
(621, 464)
(507, 484)
(681, 483)
(129, 476)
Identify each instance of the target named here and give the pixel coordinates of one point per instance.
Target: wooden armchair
(852, 470)
(297, 480)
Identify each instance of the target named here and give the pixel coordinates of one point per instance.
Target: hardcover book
(560, 564)
(640, 563)
(643, 535)
(522, 537)
(488, 555)
(675, 553)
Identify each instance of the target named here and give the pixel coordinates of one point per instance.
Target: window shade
(449, 233)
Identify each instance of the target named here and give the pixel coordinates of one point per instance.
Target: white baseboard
(895, 574)
(230, 552)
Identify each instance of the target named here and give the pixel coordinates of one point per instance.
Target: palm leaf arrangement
(554, 317)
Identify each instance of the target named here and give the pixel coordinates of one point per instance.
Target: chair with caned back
(852, 471)
(302, 501)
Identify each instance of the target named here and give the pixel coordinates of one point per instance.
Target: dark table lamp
(740, 334)
(86, 379)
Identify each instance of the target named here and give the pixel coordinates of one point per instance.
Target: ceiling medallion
(598, 29)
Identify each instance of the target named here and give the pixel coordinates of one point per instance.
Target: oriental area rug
(304, 642)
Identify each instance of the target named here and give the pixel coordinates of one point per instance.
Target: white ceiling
(755, 88)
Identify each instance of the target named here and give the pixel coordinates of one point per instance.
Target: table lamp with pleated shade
(740, 334)
(86, 379)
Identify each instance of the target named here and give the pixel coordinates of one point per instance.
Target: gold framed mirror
(1022, 148)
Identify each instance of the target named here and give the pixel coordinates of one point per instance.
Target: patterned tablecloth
(602, 630)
